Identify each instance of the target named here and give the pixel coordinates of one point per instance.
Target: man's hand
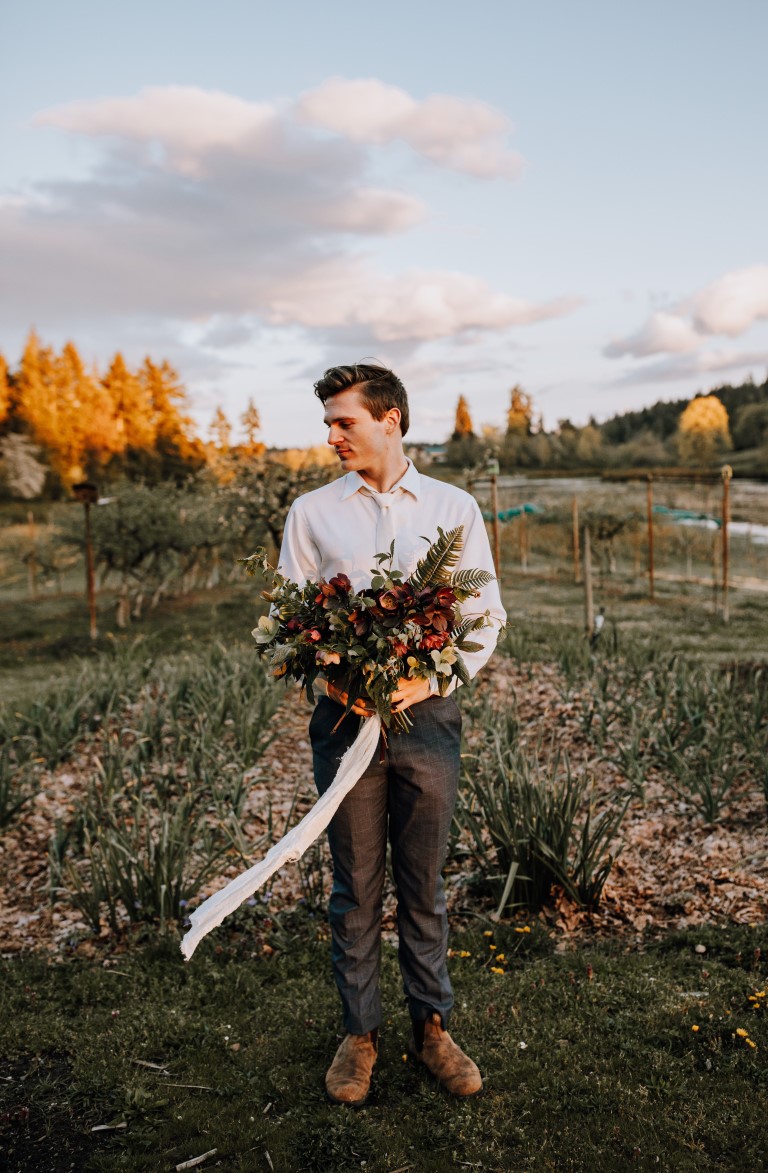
(361, 707)
(410, 692)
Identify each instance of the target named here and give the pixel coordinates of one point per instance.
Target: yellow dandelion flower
(751, 1044)
(496, 969)
(524, 929)
(405, 1058)
(501, 957)
(694, 1028)
(491, 946)
(465, 953)
(741, 1032)
(487, 933)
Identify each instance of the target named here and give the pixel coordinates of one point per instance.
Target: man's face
(360, 442)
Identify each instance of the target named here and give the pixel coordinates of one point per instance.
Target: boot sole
(348, 1103)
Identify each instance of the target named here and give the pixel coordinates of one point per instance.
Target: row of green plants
(169, 742)
(702, 728)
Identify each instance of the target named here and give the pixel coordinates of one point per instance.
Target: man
(410, 794)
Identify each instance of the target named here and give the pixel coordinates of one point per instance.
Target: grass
(589, 1058)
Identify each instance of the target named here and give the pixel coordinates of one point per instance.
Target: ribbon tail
(292, 846)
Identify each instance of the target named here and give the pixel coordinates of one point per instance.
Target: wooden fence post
(493, 469)
(32, 559)
(649, 504)
(727, 474)
(575, 540)
(589, 606)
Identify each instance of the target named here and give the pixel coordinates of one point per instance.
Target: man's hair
(380, 389)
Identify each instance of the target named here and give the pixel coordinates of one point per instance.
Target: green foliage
(533, 829)
(143, 857)
(434, 568)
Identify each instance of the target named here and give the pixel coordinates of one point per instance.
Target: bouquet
(365, 641)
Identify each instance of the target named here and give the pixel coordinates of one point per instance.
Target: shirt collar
(410, 481)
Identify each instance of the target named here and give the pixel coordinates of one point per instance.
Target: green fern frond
(468, 625)
(435, 567)
(464, 583)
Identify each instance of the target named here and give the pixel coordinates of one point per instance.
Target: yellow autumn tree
(703, 433)
(520, 413)
(135, 423)
(5, 391)
(176, 442)
(463, 425)
(250, 421)
(88, 431)
(35, 402)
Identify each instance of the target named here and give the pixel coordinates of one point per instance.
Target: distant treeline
(62, 421)
(663, 418)
(728, 423)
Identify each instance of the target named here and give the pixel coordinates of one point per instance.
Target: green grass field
(590, 1059)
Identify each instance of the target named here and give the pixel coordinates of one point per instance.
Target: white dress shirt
(340, 527)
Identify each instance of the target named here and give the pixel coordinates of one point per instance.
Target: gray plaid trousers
(409, 797)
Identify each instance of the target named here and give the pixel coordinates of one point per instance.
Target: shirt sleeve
(476, 555)
(300, 559)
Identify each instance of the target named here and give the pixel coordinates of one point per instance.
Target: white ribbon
(292, 846)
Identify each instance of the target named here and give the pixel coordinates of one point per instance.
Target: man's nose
(333, 436)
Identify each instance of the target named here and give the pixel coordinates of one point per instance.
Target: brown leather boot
(445, 1059)
(349, 1077)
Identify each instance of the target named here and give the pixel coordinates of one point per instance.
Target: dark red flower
(399, 648)
(312, 636)
(341, 583)
(433, 641)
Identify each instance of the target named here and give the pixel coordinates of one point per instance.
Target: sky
(569, 197)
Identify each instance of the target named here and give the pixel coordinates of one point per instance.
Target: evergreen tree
(221, 430)
(250, 422)
(520, 412)
(179, 450)
(462, 428)
(5, 391)
(34, 401)
(132, 406)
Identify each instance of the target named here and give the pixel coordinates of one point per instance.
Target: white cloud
(710, 362)
(729, 305)
(369, 210)
(209, 225)
(663, 333)
(420, 305)
(732, 303)
(462, 134)
(188, 121)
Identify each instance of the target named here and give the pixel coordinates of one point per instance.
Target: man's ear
(392, 419)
